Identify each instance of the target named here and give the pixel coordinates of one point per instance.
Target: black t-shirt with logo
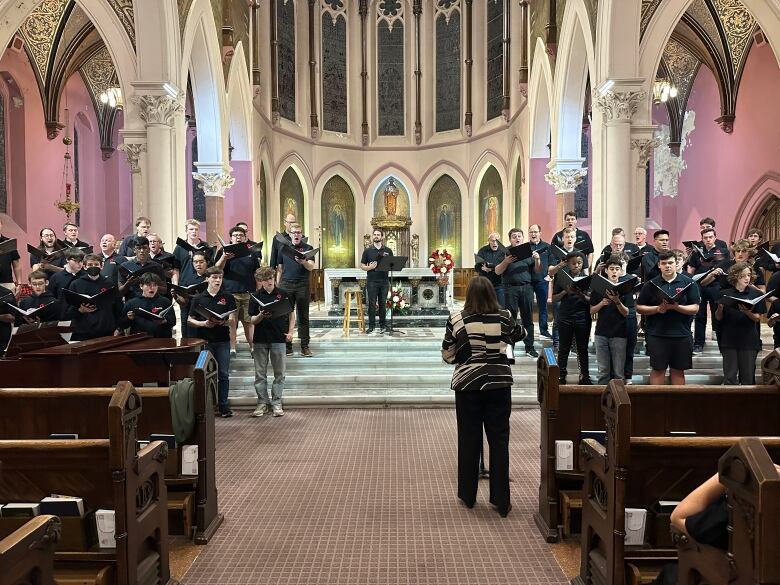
(671, 323)
(142, 324)
(219, 303)
(611, 323)
(240, 273)
(269, 330)
(292, 271)
(736, 330)
(51, 307)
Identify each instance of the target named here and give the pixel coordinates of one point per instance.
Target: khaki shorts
(242, 304)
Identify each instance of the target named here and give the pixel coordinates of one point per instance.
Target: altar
(426, 294)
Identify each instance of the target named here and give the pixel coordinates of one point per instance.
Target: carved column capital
(159, 109)
(565, 180)
(619, 106)
(215, 184)
(646, 147)
(133, 154)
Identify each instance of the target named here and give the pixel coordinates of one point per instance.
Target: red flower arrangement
(396, 301)
(440, 262)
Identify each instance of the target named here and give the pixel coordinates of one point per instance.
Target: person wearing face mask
(492, 254)
(89, 321)
(73, 269)
(377, 281)
(135, 313)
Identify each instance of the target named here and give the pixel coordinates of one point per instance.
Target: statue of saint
(337, 223)
(391, 198)
(490, 215)
(415, 246)
(445, 223)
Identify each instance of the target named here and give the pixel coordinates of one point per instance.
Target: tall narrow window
(448, 66)
(3, 181)
(390, 67)
(495, 57)
(285, 31)
(334, 66)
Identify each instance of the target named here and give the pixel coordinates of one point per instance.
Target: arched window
(285, 31)
(495, 58)
(334, 66)
(390, 67)
(448, 65)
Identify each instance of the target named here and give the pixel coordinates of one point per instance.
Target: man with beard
(377, 281)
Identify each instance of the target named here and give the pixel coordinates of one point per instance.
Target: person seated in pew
(73, 269)
(152, 302)
(668, 333)
(50, 307)
(89, 321)
(611, 326)
(739, 334)
(573, 318)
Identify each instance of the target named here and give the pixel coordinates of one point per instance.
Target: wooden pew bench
(636, 472)
(108, 474)
(657, 411)
(36, 413)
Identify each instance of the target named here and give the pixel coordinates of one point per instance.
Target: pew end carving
(27, 555)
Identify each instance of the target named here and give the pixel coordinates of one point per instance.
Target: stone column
(134, 148)
(643, 146)
(215, 178)
(159, 113)
(564, 181)
(619, 204)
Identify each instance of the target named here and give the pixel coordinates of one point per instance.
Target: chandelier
(112, 98)
(663, 89)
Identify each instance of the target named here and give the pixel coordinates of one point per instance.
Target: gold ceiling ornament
(124, 10)
(738, 24)
(39, 30)
(700, 12)
(67, 203)
(682, 66)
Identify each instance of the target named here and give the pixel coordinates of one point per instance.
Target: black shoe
(545, 334)
(468, 503)
(505, 513)
(586, 381)
(288, 350)
(532, 353)
(226, 413)
(698, 348)
(369, 331)
(562, 379)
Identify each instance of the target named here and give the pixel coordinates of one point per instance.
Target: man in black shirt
(294, 281)
(650, 260)
(71, 239)
(270, 337)
(200, 265)
(492, 255)
(240, 282)
(377, 281)
(142, 227)
(73, 269)
(518, 291)
(10, 267)
(215, 330)
(111, 260)
(183, 255)
(150, 301)
(87, 320)
(668, 329)
(129, 285)
(273, 259)
(50, 308)
(698, 264)
(539, 280)
(582, 242)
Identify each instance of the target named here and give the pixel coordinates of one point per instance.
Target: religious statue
(445, 223)
(337, 223)
(291, 207)
(391, 198)
(490, 213)
(415, 246)
(366, 240)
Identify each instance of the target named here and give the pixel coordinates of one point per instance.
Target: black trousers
(519, 298)
(739, 366)
(5, 336)
(376, 294)
(580, 334)
(709, 295)
(491, 409)
(298, 291)
(630, 346)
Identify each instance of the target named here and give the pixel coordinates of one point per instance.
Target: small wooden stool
(357, 296)
(570, 500)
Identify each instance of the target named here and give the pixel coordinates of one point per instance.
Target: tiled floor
(367, 497)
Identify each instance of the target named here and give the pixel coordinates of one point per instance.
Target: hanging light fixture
(112, 98)
(663, 90)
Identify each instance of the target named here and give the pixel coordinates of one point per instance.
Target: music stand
(389, 264)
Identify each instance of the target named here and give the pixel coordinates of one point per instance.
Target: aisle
(367, 496)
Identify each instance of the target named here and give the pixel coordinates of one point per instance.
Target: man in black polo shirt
(240, 282)
(129, 286)
(377, 281)
(668, 329)
(492, 255)
(518, 291)
(273, 258)
(582, 242)
(142, 227)
(71, 239)
(183, 256)
(215, 331)
(650, 260)
(714, 254)
(294, 281)
(539, 280)
(111, 260)
(10, 267)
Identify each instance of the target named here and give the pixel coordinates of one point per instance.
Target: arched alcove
(291, 196)
(445, 219)
(338, 224)
(490, 203)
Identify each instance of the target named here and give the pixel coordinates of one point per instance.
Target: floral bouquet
(397, 301)
(440, 263)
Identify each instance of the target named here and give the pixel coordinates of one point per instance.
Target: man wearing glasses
(294, 282)
(273, 260)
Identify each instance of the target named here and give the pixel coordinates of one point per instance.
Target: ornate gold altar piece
(395, 227)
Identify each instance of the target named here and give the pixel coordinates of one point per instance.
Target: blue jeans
(541, 289)
(611, 357)
(221, 351)
(262, 352)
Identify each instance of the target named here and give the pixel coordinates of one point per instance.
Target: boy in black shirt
(89, 321)
(73, 269)
(215, 330)
(50, 307)
(573, 319)
(668, 332)
(151, 302)
(612, 325)
(270, 336)
(377, 282)
(199, 265)
(129, 285)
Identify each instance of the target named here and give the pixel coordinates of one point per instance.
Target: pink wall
(238, 199)
(36, 163)
(722, 167)
(541, 203)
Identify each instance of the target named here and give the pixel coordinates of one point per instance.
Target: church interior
(441, 125)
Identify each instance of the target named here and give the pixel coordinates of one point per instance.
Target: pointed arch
(755, 202)
(444, 210)
(239, 97)
(540, 96)
(339, 225)
(489, 203)
(294, 195)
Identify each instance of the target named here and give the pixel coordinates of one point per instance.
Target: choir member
(10, 266)
(492, 254)
(49, 307)
(700, 262)
(294, 281)
(539, 279)
(91, 320)
(142, 227)
(612, 325)
(48, 244)
(150, 313)
(573, 318)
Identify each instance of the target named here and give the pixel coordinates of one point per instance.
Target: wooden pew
(634, 472)
(38, 413)
(27, 555)
(108, 474)
(657, 411)
(753, 493)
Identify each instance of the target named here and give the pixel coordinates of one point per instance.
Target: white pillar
(134, 147)
(160, 111)
(564, 181)
(643, 145)
(618, 195)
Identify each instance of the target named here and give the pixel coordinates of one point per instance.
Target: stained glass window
(448, 72)
(495, 57)
(334, 73)
(285, 32)
(390, 78)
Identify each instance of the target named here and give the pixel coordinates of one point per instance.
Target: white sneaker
(261, 410)
(277, 411)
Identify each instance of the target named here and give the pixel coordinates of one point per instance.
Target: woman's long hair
(481, 297)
